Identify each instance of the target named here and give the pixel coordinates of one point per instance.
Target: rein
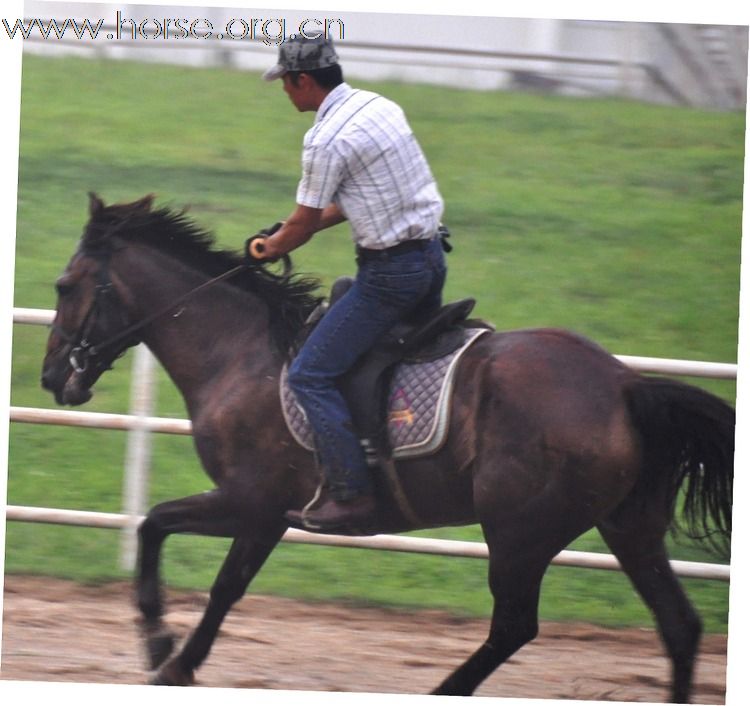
(152, 317)
(87, 350)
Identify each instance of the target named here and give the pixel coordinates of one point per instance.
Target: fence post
(138, 454)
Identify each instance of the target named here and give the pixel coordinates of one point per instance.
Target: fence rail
(140, 424)
(664, 366)
(385, 542)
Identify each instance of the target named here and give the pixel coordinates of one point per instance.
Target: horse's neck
(218, 329)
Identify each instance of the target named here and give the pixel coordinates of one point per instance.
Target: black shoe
(334, 516)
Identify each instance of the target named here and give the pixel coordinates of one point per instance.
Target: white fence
(142, 423)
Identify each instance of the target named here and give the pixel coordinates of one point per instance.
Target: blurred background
(593, 178)
(677, 64)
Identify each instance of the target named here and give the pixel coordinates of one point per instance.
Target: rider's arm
(332, 215)
(300, 227)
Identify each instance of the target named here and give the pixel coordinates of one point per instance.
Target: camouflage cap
(303, 54)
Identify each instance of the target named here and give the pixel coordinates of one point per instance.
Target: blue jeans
(388, 288)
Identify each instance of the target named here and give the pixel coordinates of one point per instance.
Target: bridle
(105, 299)
(83, 351)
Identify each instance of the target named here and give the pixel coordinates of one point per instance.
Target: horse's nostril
(47, 381)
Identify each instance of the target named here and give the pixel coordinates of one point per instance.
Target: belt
(400, 249)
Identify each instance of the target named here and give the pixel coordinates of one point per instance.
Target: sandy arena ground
(60, 632)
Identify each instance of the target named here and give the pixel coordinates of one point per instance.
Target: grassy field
(618, 220)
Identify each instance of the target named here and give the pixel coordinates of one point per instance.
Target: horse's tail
(688, 442)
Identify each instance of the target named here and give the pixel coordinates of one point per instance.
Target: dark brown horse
(549, 436)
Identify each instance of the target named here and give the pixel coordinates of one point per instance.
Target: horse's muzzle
(68, 386)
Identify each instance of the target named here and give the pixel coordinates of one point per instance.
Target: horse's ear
(96, 205)
(143, 204)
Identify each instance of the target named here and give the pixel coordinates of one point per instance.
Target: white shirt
(362, 155)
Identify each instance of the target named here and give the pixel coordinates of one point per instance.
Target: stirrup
(299, 517)
(309, 506)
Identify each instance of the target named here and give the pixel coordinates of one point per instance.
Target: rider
(361, 163)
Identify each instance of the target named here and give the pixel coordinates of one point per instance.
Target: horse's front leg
(196, 513)
(244, 560)
(213, 513)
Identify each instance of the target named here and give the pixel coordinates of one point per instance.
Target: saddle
(366, 386)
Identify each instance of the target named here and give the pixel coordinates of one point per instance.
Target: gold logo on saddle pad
(400, 411)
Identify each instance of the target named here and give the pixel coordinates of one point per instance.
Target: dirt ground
(58, 631)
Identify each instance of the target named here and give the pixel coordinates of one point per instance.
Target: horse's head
(91, 311)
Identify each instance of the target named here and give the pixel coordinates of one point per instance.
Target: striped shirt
(361, 155)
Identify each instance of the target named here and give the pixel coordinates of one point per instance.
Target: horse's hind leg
(636, 537)
(515, 580)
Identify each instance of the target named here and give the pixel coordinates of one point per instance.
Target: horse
(549, 436)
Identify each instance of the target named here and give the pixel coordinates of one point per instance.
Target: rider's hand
(255, 249)
(255, 246)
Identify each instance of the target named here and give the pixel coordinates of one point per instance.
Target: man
(361, 163)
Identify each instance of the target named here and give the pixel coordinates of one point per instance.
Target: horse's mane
(289, 299)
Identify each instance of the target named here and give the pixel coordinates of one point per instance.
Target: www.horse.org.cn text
(270, 31)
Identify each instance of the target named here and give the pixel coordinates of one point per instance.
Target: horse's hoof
(171, 674)
(158, 648)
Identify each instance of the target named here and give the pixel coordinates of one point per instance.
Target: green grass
(615, 219)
